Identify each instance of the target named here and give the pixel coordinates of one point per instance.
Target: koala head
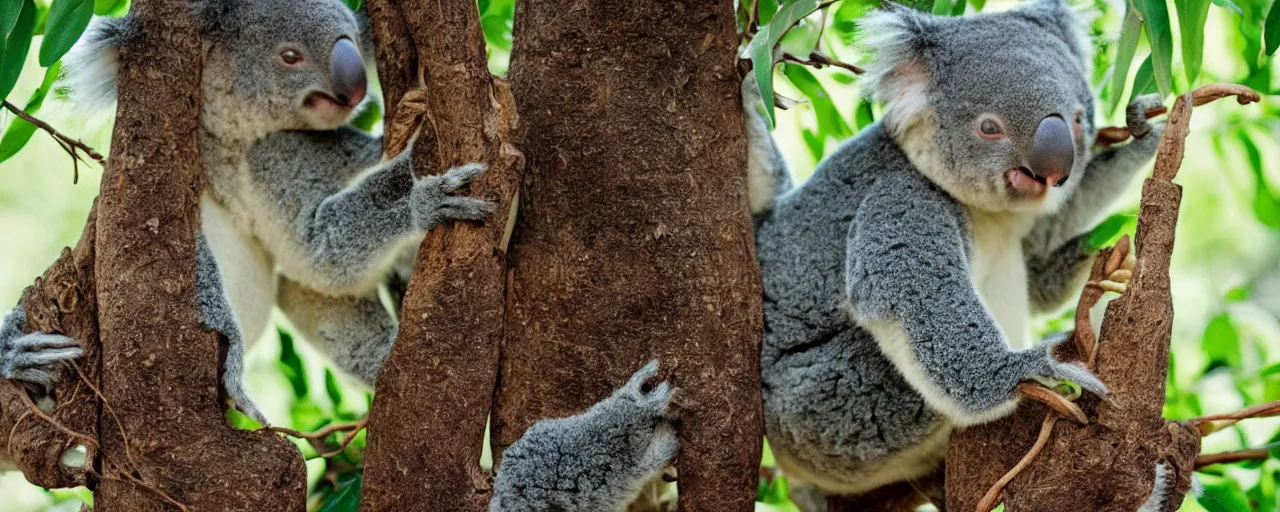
(270, 65)
(994, 108)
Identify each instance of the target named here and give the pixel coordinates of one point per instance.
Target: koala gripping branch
(1110, 462)
(434, 394)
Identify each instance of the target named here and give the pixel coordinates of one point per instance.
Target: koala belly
(839, 416)
(247, 271)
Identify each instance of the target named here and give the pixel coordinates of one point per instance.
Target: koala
(899, 280)
(299, 210)
(600, 460)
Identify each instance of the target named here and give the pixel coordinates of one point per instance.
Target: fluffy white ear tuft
(899, 75)
(89, 70)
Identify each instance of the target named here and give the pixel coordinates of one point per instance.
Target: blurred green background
(1226, 280)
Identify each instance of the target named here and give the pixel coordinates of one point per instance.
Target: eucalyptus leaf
(13, 49)
(830, 123)
(9, 10)
(1130, 33)
(1144, 82)
(942, 7)
(1266, 206)
(1109, 231)
(292, 365)
(1192, 15)
(1155, 16)
(20, 131)
(1271, 31)
(1228, 4)
(346, 499)
(67, 20)
(1221, 342)
(762, 44)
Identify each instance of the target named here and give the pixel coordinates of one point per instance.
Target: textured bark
(633, 239)
(434, 394)
(164, 416)
(1109, 463)
(63, 301)
(397, 64)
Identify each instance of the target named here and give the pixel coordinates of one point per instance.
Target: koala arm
(908, 284)
(32, 357)
(349, 215)
(216, 315)
(1057, 263)
(355, 332)
(597, 461)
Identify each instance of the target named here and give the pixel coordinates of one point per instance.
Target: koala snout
(346, 70)
(1052, 152)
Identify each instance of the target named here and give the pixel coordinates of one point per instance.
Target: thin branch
(1215, 422)
(70, 145)
(317, 438)
(1209, 459)
(992, 498)
(819, 61)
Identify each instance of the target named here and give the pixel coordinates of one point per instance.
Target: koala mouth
(1025, 182)
(326, 108)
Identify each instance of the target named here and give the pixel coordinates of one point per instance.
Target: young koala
(597, 461)
(899, 280)
(298, 211)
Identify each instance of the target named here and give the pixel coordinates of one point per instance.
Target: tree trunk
(633, 239)
(435, 391)
(62, 301)
(165, 438)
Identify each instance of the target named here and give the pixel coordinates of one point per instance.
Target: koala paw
(1136, 114)
(32, 357)
(1054, 373)
(433, 204)
(654, 406)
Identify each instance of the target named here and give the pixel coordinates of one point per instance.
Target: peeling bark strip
(1108, 464)
(64, 301)
(433, 397)
(160, 375)
(633, 239)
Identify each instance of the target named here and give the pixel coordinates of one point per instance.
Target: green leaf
(1228, 4)
(331, 388)
(1238, 294)
(978, 5)
(942, 7)
(767, 9)
(354, 5)
(817, 144)
(1155, 16)
(1221, 342)
(1130, 33)
(1191, 17)
(67, 20)
(830, 124)
(9, 10)
(864, 116)
(1223, 495)
(1144, 82)
(1266, 207)
(958, 8)
(1272, 29)
(1270, 370)
(368, 116)
(20, 131)
(763, 43)
(291, 365)
(346, 499)
(13, 49)
(1110, 230)
(110, 7)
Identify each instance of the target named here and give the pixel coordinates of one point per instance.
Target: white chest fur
(999, 272)
(247, 270)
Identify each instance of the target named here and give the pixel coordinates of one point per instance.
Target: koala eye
(990, 129)
(291, 57)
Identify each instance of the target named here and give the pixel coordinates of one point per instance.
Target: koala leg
(32, 357)
(356, 332)
(599, 460)
(216, 315)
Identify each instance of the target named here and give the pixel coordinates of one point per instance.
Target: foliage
(1227, 329)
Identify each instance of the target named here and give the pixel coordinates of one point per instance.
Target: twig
(1059, 405)
(70, 145)
(1209, 459)
(317, 438)
(992, 497)
(1215, 422)
(819, 61)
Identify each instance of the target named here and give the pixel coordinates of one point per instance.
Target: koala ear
(1058, 19)
(899, 74)
(89, 69)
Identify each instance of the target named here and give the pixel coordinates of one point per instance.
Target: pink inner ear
(905, 86)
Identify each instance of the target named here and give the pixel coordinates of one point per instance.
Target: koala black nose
(346, 69)
(1053, 151)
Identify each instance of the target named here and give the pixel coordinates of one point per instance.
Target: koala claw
(432, 203)
(32, 357)
(1136, 114)
(1056, 372)
(1118, 280)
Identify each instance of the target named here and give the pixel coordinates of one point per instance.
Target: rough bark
(633, 239)
(163, 421)
(435, 391)
(397, 65)
(63, 301)
(1108, 464)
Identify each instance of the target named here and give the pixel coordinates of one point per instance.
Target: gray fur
(216, 315)
(32, 357)
(878, 339)
(596, 461)
(297, 193)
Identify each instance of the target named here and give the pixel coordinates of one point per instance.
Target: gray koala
(598, 461)
(899, 280)
(298, 210)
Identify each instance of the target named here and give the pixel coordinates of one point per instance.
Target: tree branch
(70, 145)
